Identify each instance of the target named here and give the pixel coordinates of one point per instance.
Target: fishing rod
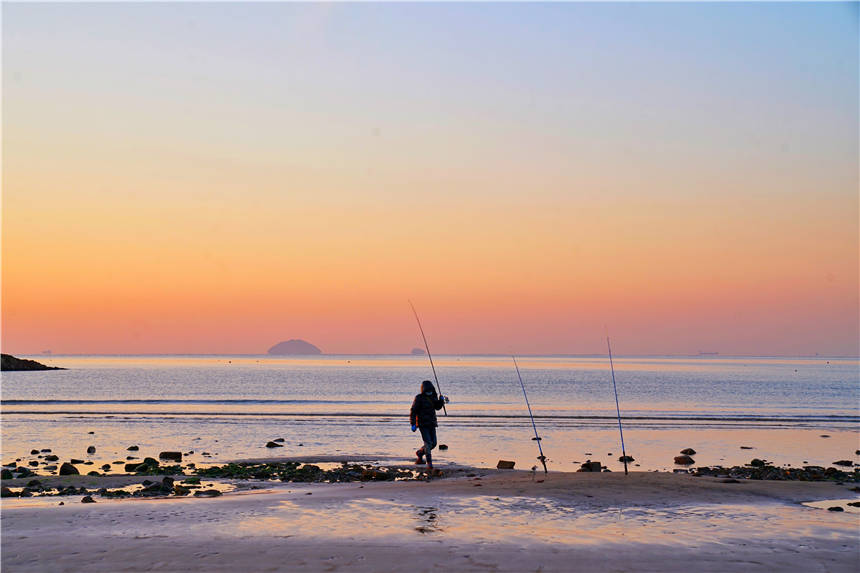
(430, 356)
(541, 457)
(617, 409)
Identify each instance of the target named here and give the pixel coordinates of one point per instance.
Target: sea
(215, 409)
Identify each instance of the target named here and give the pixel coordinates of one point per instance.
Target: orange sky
(155, 214)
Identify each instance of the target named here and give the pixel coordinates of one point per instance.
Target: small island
(9, 362)
(418, 352)
(294, 347)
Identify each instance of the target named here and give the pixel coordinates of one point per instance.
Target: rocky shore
(10, 363)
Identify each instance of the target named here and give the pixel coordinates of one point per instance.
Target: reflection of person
(423, 417)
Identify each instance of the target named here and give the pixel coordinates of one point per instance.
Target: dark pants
(428, 434)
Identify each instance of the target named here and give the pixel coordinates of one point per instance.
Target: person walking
(423, 417)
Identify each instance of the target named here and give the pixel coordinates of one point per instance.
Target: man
(423, 417)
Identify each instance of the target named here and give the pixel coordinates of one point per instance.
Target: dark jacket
(423, 413)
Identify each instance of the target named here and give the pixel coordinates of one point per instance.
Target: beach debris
(91, 449)
(68, 469)
(133, 448)
(87, 499)
(590, 466)
(684, 460)
(272, 445)
(172, 456)
(505, 465)
(835, 508)
(625, 458)
(846, 463)
(443, 446)
(755, 462)
(688, 452)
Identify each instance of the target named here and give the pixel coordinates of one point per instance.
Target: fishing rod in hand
(537, 438)
(617, 409)
(430, 356)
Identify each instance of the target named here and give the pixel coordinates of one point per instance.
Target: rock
(825, 435)
(9, 362)
(50, 468)
(132, 448)
(150, 462)
(93, 473)
(854, 503)
(167, 482)
(846, 463)
(62, 503)
(746, 447)
(5, 474)
(91, 450)
(76, 461)
(443, 446)
(625, 458)
(6, 492)
(24, 472)
(87, 499)
(755, 462)
(33, 463)
(278, 440)
(106, 468)
(172, 456)
(294, 347)
(272, 445)
(835, 508)
(857, 453)
(590, 466)
(207, 493)
(505, 465)
(688, 452)
(34, 452)
(118, 463)
(684, 460)
(132, 458)
(730, 480)
(194, 480)
(51, 458)
(68, 469)
(179, 490)
(46, 450)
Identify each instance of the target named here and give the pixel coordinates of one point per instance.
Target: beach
(475, 520)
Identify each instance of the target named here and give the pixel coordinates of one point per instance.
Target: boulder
(91, 450)
(87, 499)
(684, 460)
(5, 474)
(688, 452)
(172, 456)
(755, 462)
(68, 469)
(150, 462)
(505, 465)
(93, 473)
(269, 445)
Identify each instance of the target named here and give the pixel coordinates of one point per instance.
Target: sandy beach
(475, 520)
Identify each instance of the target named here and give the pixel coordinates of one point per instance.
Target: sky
(216, 178)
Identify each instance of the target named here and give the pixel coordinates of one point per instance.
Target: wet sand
(492, 521)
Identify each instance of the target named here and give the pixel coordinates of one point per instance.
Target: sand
(492, 521)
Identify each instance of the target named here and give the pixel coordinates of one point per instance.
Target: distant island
(418, 352)
(294, 347)
(9, 362)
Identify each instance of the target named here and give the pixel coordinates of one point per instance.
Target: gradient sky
(215, 178)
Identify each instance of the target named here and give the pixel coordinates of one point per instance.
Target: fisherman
(423, 417)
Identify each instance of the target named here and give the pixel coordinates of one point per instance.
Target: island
(418, 352)
(294, 347)
(9, 362)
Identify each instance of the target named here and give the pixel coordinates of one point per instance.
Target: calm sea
(230, 406)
